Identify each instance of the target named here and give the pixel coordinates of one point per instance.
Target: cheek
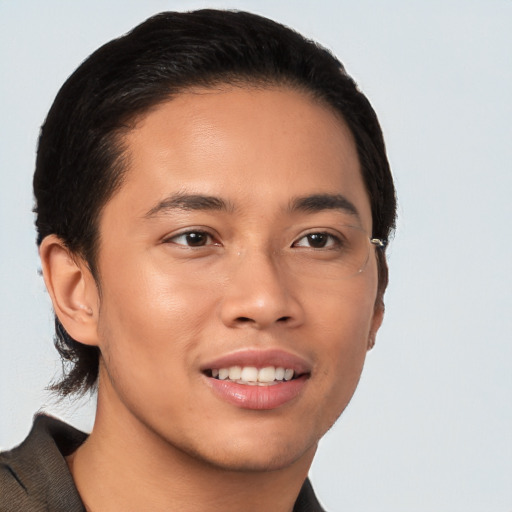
(342, 320)
(148, 297)
(345, 325)
(343, 311)
(149, 321)
(148, 336)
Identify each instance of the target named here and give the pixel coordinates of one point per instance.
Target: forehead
(247, 145)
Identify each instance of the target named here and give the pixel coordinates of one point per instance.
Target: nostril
(246, 320)
(243, 319)
(261, 319)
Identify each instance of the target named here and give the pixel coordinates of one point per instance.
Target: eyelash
(335, 241)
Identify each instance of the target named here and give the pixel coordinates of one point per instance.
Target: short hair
(80, 163)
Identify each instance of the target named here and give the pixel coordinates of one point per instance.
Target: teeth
(249, 374)
(252, 375)
(267, 374)
(235, 373)
(279, 373)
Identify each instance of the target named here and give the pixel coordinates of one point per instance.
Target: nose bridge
(258, 292)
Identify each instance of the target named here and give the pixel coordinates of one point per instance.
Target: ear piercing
(371, 342)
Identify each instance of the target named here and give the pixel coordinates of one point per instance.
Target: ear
(378, 317)
(72, 289)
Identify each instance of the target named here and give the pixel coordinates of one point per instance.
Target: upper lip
(260, 359)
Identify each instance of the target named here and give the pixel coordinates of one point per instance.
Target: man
(213, 204)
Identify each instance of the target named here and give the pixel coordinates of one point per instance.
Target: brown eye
(316, 241)
(192, 239)
(196, 239)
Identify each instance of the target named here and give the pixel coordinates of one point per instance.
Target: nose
(259, 295)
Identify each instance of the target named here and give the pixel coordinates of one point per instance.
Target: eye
(318, 241)
(194, 238)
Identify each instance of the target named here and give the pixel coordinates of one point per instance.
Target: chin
(261, 455)
(247, 463)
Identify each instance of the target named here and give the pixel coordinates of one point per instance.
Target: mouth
(253, 376)
(254, 379)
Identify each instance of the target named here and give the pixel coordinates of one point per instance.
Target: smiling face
(218, 268)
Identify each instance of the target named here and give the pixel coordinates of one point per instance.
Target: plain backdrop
(430, 426)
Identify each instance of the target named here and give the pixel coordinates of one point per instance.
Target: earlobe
(378, 317)
(72, 290)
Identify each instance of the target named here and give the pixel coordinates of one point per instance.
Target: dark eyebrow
(319, 202)
(184, 201)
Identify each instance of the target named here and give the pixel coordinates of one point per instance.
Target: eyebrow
(189, 202)
(320, 202)
(307, 204)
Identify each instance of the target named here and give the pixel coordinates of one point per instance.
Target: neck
(124, 465)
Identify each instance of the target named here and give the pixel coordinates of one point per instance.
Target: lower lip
(257, 397)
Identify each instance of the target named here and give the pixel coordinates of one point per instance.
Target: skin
(162, 438)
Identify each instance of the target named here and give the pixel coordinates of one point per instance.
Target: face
(212, 268)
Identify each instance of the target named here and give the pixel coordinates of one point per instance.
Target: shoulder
(13, 495)
(34, 475)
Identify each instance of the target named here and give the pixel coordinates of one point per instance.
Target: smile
(252, 376)
(257, 379)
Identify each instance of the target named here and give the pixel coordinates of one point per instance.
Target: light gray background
(430, 427)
